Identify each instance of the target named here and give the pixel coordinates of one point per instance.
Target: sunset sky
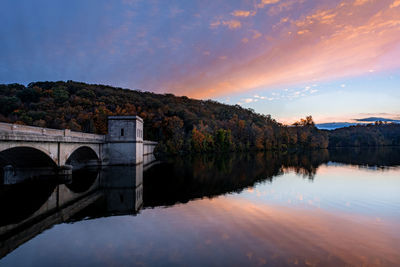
(334, 60)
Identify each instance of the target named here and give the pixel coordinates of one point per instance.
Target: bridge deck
(15, 132)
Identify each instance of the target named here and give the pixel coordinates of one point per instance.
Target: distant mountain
(374, 119)
(334, 125)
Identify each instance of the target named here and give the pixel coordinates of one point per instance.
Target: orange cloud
(302, 32)
(243, 13)
(340, 42)
(361, 2)
(395, 4)
(267, 2)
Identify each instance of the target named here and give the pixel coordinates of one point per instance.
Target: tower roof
(125, 118)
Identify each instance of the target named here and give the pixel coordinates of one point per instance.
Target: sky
(335, 60)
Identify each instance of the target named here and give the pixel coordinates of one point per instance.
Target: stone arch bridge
(26, 148)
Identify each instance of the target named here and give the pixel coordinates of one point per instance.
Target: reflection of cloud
(277, 231)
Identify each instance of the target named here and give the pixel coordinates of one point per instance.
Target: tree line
(178, 123)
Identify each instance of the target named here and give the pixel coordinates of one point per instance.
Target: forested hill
(178, 123)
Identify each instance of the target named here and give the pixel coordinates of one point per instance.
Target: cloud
(303, 32)
(256, 34)
(232, 24)
(283, 20)
(396, 3)
(329, 44)
(361, 2)
(267, 2)
(284, 6)
(373, 119)
(175, 11)
(215, 24)
(243, 13)
(248, 100)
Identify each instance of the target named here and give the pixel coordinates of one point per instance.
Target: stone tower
(125, 140)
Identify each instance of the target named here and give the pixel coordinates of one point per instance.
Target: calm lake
(320, 208)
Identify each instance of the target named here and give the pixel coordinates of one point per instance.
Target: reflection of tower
(123, 189)
(125, 140)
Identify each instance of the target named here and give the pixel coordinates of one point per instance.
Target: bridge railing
(23, 129)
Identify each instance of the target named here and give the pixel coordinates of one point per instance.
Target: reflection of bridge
(23, 148)
(112, 191)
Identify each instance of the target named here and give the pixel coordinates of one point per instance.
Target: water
(320, 208)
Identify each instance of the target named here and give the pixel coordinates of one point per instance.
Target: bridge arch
(83, 156)
(26, 157)
(20, 163)
(82, 180)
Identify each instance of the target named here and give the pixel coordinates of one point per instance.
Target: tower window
(122, 132)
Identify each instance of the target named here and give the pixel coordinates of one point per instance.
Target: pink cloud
(330, 42)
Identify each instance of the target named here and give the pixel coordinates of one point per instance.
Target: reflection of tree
(305, 163)
(381, 157)
(196, 176)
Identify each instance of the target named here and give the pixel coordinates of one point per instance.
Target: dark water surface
(320, 208)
